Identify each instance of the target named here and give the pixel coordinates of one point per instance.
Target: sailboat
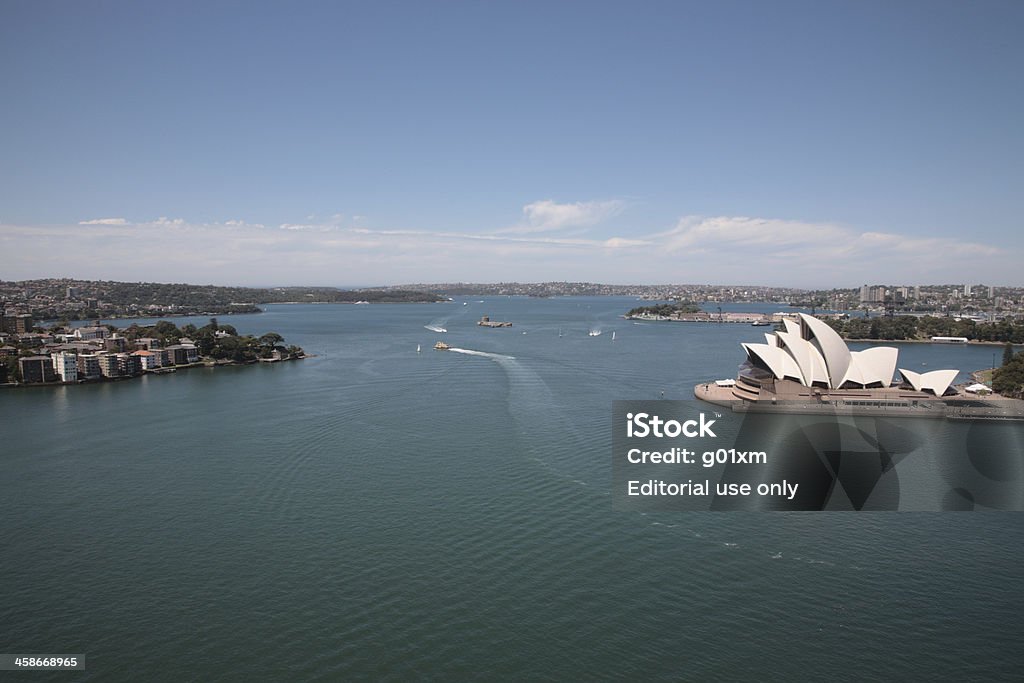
(613, 335)
(417, 348)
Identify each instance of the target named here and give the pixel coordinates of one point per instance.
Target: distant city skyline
(787, 144)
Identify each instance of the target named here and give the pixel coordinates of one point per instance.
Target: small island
(98, 353)
(669, 311)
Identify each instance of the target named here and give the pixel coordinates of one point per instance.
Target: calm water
(378, 513)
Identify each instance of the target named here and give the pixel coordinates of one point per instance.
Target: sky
(800, 144)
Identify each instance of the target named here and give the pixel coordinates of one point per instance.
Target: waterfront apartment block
(183, 354)
(89, 366)
(66, 366)
(36, 369)
(149, 360)
(108, 365)
(128, 365)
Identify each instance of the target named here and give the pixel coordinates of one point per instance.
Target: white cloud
(823, 254)
(621, 242)
(242, 224)
(744, 231)
(165, 222)
(104, 221)
(724, 249)
(550, 215)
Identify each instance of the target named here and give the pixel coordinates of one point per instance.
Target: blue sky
(809, 144)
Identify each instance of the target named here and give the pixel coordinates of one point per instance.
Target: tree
(13, 369)
(1009, 379)
(166, 328)
(271, 339)
(1007, 354)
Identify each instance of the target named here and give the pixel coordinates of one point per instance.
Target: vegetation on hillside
(1008, 380)
(913, 327)
(217, 341)
(106, 299)
(666, 310)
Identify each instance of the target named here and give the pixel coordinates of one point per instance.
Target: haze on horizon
(795, 144)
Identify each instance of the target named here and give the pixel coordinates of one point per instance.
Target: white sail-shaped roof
(877, 364)
(936, 381)
(832, 346)
(807, 357)
(792, 326)
(854, 373)
(810, 352)
(778, 361)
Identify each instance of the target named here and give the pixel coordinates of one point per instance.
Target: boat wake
(435, 328)
(537, 415)
(485, 354)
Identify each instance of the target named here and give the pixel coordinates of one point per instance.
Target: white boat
(613, 335)
(417, 348)
(594, 333)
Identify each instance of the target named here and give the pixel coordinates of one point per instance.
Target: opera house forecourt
(807, 368)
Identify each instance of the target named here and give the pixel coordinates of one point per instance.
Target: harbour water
(374, 512)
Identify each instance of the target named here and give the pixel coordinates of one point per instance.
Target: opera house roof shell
(811, 353)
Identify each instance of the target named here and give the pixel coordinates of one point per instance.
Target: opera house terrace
(808, 368)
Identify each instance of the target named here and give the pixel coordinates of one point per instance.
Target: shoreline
(168, 370)
(969, 342)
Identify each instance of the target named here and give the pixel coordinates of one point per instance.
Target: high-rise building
(36, 369)
(967, 290)
(66, 366)
(18, 324)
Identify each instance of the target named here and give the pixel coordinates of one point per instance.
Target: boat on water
(486, 321)
(441, 346)
(594, 333)
(760, 323)
(417, 348)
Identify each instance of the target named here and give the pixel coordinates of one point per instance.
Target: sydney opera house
(809, 363)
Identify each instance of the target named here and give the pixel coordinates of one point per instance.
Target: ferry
(441, 346)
